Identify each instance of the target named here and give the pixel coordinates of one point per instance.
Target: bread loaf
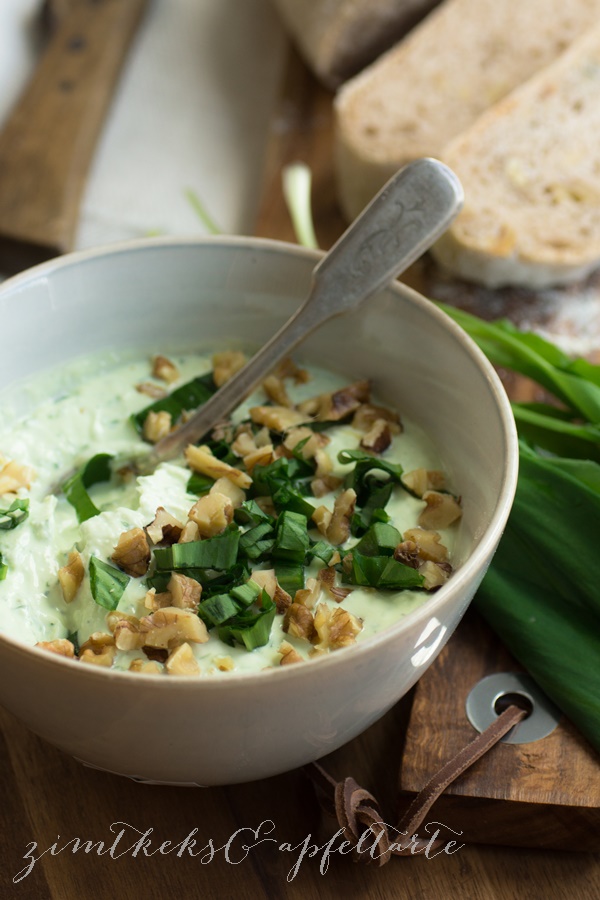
(339, 37)
(461, 59)
(530, 167)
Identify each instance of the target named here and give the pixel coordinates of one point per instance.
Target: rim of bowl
(428, 608)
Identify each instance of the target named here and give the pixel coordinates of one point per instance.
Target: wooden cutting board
(541, 794)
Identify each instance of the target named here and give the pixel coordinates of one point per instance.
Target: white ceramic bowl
(159, 294)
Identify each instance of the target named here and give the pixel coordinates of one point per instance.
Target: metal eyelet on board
(483, 701)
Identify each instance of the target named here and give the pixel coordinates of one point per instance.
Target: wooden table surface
(50, 799)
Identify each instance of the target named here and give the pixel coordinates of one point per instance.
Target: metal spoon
(405, 218)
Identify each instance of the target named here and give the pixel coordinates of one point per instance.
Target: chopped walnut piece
(298, 621)
(420, 480)
(224, 663)
(309, 595)
(265, 579)
(127, 633)
(339, 404)
(275, 390)
(287, 368)
(325, 485)
(212, 514)
(157, 426)
(145, 667)
(276, 418)
(99, 649)
(113, 618)
(442, 510)
(288, 654)
(435, 575)
(244, 444)
(226, 365)
(407, 553)
(324, 464)
(367, 414)
(429, 546)
(231, 490)
(156, 654)
(335, 559)
(201, 460)
(314, 440)
(154, 601)
(185, 591)
(223, 431)
(60, 646)
(322, 518)
(164, 369)
(14, 476)
(262, 456)
(190, 532)
(165, 528)
(132, 553)
(282, 599)
(71, 576)
(182, 661)
(338, 530)
(326, 577)
(378, 438)
(151, 390)
(170, 627)
(335, 627)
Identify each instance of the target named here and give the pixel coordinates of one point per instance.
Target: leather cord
(358, 813)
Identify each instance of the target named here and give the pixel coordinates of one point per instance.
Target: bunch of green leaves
(541, 594)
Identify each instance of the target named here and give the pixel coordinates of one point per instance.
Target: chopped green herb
(383, 572)
(322, 550)
(3, 569)
(187, 397)
(199, 484)
(219, 552)
(217, 609)
(380, 540)
(290, 576)
(246, 593)
(291, 538)
(75, 488)
(107, 583)
(250, 513)
(257, 542)
(251, 627)
(16, 513)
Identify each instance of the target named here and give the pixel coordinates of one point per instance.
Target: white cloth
(191, 111)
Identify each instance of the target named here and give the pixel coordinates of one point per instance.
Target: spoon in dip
(405, 218)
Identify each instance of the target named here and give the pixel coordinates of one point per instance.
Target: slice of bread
(461, 59)
(339, 37)
(530, 167)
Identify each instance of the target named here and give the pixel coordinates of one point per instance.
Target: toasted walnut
(378, 438)
(99, 649)
(113, 618)
(313, 440)
(226, 364)
(428, 544)
(151, 390)
(153, 601)
(326, 577)
(262, 456)
(287, 368)
(244, 444)
(324, 464)
(367, 414)
(71, 576)
(435, 575)
(182, 661)
(407, 553)
(156, 654)
(288, 654)
(275, 390)
(223, 431)
(276, 418)
(170, 627)
(442, 510)
(14, 476)
(335, 627)
(212, 514)
(165, 529)
(265, 579)
(200, 459)
(309, 595)
(325, 485)
(60, 646)
(132, 553)
(298, 621)
(224, 663)
(420, 480)
(335, 559)
(339, 404)
(282, 599)
(157, 426)
(338, 530)
(164, 369)
(190, 532)
(127, 634)
(185, 591)
(231, 490)
(322, 518)
(145, 667)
